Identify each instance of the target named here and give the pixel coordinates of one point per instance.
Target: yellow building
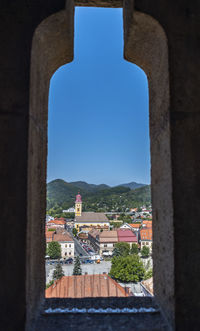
(89, 219)
(78, 205)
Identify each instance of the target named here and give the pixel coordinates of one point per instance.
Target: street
(91, 269)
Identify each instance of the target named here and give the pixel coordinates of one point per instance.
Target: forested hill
(96, 197)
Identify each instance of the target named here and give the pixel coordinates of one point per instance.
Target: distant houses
(64, 239)
(57, 223)
(104, 242)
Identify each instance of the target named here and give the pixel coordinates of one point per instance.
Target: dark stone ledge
(101, 322)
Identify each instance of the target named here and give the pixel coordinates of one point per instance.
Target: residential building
(146, 238)
(126, 235)
(49, 236)
(57, 223)
(84, 286)
(66, 242)
(147, 223)
(103, 242)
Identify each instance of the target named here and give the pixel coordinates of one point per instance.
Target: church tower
(78, 205)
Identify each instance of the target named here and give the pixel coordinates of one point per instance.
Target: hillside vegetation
(102, 198)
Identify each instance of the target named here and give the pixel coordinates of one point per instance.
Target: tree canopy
(134, 249)
(121, 249)
(58, 272)
(77, 267)
(145, 251)
(127, 269)
(54, 250)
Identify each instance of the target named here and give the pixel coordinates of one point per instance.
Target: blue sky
(98, 107)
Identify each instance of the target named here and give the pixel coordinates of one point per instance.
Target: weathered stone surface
(174, 142)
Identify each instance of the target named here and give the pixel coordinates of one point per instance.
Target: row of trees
(59, 273)
(123, 249)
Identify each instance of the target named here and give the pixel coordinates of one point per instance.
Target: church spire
(78, 205)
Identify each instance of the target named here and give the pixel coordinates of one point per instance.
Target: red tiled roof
(62, 237)
(126, 235)
(146, 233)
(49, 236)
(85, 286)
(148, 223)
(57, 222)
(135, 225)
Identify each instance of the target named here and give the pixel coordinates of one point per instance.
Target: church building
(89, 220)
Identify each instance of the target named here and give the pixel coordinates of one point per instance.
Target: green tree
(77, 267)
(74, 231)
(58, 272)
(148, 274)
(121, 249)
(145, 251)
(54, 250)
(134, 249)
(127, 269)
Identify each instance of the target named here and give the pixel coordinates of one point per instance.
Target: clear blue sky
(98, 107)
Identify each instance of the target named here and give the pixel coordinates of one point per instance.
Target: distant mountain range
(62, 193)
(133, 185)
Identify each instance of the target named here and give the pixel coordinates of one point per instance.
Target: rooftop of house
(148, 284)
(146, 233)
(135, 225)
(94, 233)
(147, 223)
(84, 286)
(126, 235)
(64, 236)
(108, 236)
(57, 222)
(91, 217)
(49, 236)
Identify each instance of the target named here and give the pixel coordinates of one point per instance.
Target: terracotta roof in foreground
(85, 286)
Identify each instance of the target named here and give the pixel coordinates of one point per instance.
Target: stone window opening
(145, 45)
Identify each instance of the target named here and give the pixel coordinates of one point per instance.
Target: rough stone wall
(19, 19)
(52, 47)
(181, 23)
(146, 45)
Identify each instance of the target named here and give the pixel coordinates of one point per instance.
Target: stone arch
(52, 46)
(145, 45)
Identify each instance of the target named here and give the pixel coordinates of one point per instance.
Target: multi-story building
(146, 238)
(57, 223)
(88, 219)
(64, 239)
(126, 235)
